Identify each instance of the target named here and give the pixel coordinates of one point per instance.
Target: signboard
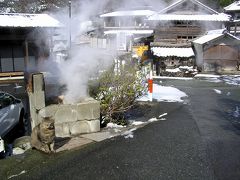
(139, 50)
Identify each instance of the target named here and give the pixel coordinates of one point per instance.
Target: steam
(84, 62)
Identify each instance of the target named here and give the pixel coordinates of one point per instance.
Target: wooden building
(24, 41)
(234, 10)
(176, 26)
(183, 21)
(217, 51)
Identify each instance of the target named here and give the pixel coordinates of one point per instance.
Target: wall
(220, 58)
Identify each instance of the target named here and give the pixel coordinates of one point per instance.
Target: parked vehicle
(11, 113)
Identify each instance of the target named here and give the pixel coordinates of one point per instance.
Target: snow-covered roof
(214, 34)
(129, 32)
(27, 20)
(193, 1)
(128, 13)
(235, 6)
(206, 38)
(178, 17)
(179, 52)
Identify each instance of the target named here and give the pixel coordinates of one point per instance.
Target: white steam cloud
(85, 62)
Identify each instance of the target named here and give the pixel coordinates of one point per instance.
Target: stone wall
(74, 119)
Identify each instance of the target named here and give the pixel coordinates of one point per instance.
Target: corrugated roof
(129, 13)
(27, 20)
(178, 52)
(235, 6)
(130, 32)
(176, 17)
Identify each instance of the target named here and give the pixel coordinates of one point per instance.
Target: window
(11, 58)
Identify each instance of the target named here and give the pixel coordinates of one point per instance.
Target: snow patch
(173, 70)
(156, 119)
(113, 125)
(207, 76)
(165, 93)
(228, 79)
(162, 115)
(15, 175)
(218, 91)
(129, 133)
(236, 113)
(137, 123)
(177, 78)
(168, 94)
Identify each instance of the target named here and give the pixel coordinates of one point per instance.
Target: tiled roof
(27, 20)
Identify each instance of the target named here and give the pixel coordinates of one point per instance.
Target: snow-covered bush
(117, 92)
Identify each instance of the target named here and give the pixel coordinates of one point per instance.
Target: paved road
(199, 140)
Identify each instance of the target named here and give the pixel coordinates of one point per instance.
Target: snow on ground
(166, 94)
(137, 123)
(15, 175)
(232, 80)
(236, 113)
(173, 70)
(207, 76)
(129, 133)
(218, 91)
(228, 79)
(177, 78)
(113, 125)
(162, 115)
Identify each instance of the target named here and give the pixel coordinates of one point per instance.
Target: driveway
(198, 140)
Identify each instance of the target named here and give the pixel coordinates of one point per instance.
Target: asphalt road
(200, 139)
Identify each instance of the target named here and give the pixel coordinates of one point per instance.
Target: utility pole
(70, 17)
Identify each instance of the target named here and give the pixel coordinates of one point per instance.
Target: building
(24, 41)
(180, 23)
(217, 51)
(234, 10)
(120, 27)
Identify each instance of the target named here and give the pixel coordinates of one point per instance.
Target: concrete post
(36, 93)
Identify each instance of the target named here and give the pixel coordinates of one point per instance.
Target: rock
(23, 143)
(18, 151)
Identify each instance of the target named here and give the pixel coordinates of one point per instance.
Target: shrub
(117, 91)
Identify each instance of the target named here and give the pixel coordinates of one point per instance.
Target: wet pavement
(200, 139)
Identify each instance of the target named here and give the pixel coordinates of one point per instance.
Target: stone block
(49, 111)
(66, 113)
(81, 127)
(62, 130)
(88, 110)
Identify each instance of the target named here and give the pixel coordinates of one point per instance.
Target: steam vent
(74, 119)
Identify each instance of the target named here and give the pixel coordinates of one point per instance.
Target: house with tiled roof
(217, 51)
(23, 41)
(234, 10)
(178, 24)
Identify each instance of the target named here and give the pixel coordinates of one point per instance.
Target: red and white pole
(150, 86)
